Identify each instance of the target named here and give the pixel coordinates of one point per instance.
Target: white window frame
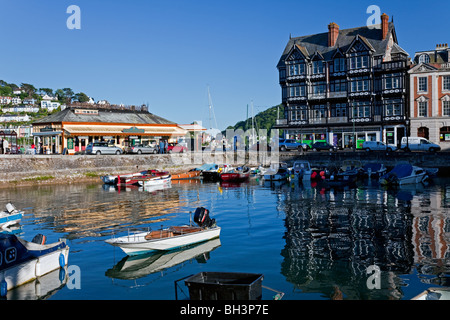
(422, 109)
(446, 108)
(420, 86)
(446, 83)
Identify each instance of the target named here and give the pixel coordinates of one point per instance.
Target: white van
(419, 144)
(378, 146)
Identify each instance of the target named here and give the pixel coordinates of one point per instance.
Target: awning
(114, 130)
(47, 133)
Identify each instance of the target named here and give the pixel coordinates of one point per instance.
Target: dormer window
(424, 58)
(359, 62)
(339, 64)
(318, 67)
(296, 69)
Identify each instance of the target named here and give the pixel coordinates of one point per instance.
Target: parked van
(419, 144)
(378, 146)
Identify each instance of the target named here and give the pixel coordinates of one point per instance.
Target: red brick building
(429, 103)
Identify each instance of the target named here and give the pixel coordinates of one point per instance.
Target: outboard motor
(10, 208)
(201, 217)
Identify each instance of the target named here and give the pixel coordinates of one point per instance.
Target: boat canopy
(372, 166)
(208, 166)
(402, 170)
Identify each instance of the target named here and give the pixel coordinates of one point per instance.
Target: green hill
(263, 120)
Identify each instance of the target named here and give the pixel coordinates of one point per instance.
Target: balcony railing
(339, 94)
(338, 120)
(281, 122)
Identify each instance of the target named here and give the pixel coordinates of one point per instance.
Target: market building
(72, 129)
(429, 91)
(345, 85)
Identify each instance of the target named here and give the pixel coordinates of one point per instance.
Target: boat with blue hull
(10, 216)
(23, 261)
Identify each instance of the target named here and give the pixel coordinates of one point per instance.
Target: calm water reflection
(309, 243)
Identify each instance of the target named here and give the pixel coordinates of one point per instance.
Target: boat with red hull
(236, 175)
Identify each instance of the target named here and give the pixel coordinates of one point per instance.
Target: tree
(81, 97)
(28, 88)
(65, 95)
(47, 91)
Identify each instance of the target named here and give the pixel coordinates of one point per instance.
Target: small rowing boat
(169, 238)
(155, 181)
(186, 175)
(10, 216)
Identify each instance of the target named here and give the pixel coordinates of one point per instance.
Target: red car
(176, 148)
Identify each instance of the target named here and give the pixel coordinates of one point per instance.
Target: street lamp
(407, 134)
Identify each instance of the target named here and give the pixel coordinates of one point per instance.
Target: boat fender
(62, 260)
(39, 239)
(62, 275)
(3, 288)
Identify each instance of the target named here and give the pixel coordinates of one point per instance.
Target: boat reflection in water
(333, 237)
(139, 266)
(42, 288)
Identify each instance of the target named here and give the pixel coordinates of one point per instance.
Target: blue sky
(166, 53)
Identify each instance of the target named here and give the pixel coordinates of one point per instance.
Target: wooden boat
(236, 175)
(169, 238)
(24, 261)
(155, 181)
(10, 216)
(136, 178)
(187, 175)
(403, 174)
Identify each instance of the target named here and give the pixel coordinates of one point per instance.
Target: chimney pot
(384, 25)
(333, 33)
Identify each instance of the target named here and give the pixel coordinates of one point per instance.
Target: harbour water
(309, 243)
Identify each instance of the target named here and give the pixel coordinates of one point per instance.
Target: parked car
(419, 144)
(378, 146)
(102, 148)
(176, 148)
(292, 144)
(318, 146)
(140, 148)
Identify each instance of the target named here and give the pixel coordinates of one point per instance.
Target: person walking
(161, 147)
(166, 146)
(1, 146)
(5, 146)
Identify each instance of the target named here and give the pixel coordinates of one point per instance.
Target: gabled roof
(422, 67)
(105, 115)
(371, 37)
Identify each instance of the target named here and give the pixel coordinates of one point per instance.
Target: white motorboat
(302, 170)
(169, 238)
(403, 174)
(155, 181)
(442, 293)
(10, 216)
(277, 172)
(25, 261)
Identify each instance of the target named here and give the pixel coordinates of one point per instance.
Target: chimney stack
(384, 25)
(333, 33)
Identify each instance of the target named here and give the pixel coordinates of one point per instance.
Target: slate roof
(372, 37)
(105, 116)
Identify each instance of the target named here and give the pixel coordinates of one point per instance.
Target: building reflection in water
(332, 237)
(79, 211)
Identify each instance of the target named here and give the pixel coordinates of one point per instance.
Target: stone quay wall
(43, 169)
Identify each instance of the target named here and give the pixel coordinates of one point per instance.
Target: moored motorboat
(236, 175)
(214, 174)
(403, 174)
(302, 170)
(24, 261)
(277, 172)
(144, 175)
(10, 216)
(169, 238)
